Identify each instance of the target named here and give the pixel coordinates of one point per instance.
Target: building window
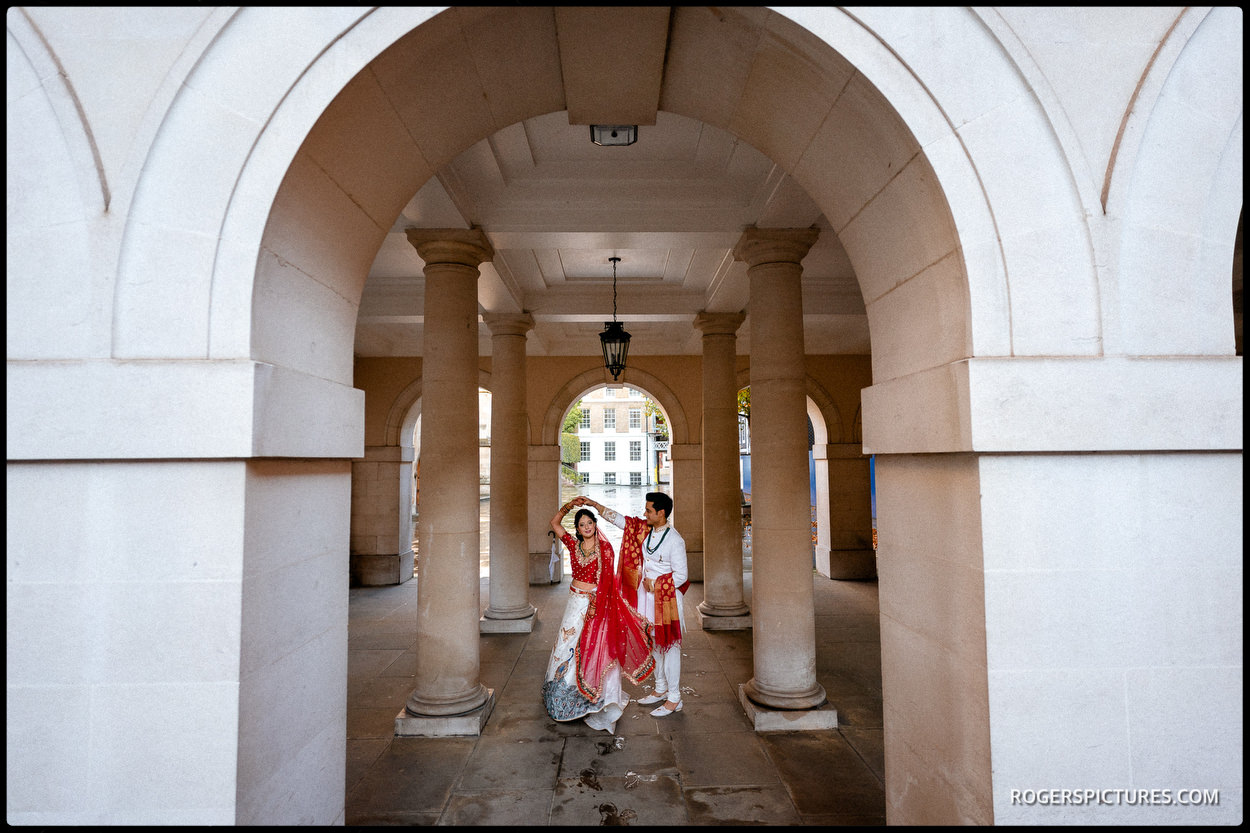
(585, 476)
(585, 452)
(609, 418)
(609, 477)
(635, 478)
(635, 419)
(609, 451)
(635, 451)
(585, 423)
(609, 393)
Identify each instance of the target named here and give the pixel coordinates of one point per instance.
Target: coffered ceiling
(555, 207)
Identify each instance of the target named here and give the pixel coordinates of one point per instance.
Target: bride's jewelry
(583, 557)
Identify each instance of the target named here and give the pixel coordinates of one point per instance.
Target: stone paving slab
(613, 801)
(413, 775)
(608, 756)
(718, 759)
(512, 763)
(498, 808)
(740, 805)
(825, 775)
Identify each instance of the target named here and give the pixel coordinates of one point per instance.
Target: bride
(601, 637)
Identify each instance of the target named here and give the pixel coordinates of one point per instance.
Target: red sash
(631, 559)
(667, 628)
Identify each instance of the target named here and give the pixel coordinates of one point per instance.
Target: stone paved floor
(703, 765)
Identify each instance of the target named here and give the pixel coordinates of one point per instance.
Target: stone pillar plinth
(844, 545)
(381, 526)
(724, 606)
(783, 619)
(448, 602)
(509, 610)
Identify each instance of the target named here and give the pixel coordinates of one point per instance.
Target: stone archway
(321, 211)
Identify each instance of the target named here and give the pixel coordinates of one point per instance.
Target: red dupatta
(631, 559)
(614, 633)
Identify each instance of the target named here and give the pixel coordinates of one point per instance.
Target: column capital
(758, 246)
(459, 246)
(719, 323)
(508, 323)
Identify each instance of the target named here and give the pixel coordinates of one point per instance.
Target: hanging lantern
(614, 338)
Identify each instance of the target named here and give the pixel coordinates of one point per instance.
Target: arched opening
(617, 451)
(899, 280)
(940, 179)
(845, 145)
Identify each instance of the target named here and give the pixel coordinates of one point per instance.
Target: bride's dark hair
(578, 518)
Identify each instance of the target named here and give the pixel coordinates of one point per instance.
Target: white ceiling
(555, 207)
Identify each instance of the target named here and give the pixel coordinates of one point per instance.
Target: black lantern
(615, 339)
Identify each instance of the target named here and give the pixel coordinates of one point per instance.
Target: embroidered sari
(601, 639)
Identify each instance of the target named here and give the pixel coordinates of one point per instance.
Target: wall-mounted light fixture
(614, 338)
(613, 135)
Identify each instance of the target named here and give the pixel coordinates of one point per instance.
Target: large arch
(287, 297)
(275, 251)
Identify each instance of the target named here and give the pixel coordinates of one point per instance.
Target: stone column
(449, 698)
(509, 610)
(784, 622)
(723, 606)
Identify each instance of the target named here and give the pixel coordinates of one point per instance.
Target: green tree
(744, 403)
(570, 446)
(651, 409)
(572, 419)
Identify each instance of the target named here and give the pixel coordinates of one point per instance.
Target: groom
(654, 580)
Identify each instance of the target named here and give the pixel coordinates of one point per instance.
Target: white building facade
(1041, 212)
(621, 443)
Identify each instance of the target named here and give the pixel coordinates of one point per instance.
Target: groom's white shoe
(653, 698)
(665, 711)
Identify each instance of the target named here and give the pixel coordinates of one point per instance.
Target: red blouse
(587, 572)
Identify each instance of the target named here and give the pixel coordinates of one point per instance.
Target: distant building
(619, 443)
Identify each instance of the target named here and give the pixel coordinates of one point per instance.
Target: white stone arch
(264, 177)
(1178, 187)
(52, 179)
(953, 240)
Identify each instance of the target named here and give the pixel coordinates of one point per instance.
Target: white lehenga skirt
(560, 693)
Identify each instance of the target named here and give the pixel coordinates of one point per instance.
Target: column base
(541, 571)
(524, 624)
(379, 570)
(765, 719)
(470, 723)
(846, 565)
(710, 622)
